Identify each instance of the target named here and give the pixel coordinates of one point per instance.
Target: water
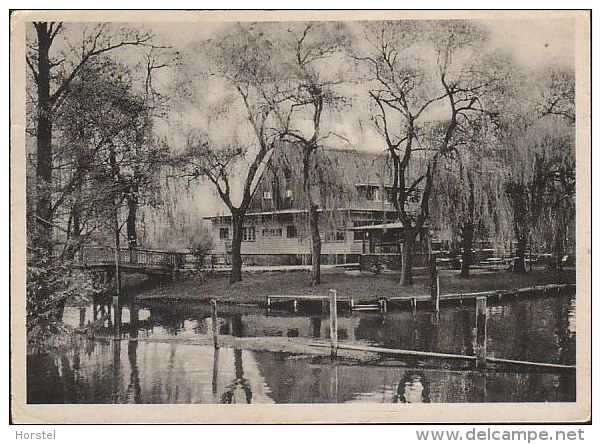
(136, 371)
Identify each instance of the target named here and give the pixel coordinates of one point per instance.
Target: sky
(532, 44)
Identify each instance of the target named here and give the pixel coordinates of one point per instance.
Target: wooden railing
(142, 258)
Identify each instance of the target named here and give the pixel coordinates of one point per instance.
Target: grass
(256, 286)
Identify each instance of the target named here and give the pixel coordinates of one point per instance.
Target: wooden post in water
(268, 303)
(333, 324)
(215, 379)
(481, 331)
(214, 322)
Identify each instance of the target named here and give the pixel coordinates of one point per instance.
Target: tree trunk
(407, 257)
(519, 266)
(237, 225)
(74, 233)
(467, 242)
(559, 236)
(132, 235)
(43, 238)
(315, 245)
(467, 231)
(518, 197)
(117, 248)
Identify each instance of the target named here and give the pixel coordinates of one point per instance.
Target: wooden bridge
(151, 262)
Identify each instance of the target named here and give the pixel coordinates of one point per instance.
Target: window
(248, 234)
(390, 195)
(288, 193)
(358, 235)
(272, 232)
(267, 195)
(291, 231)
(224, 233)
(370, 192)
(335, 236)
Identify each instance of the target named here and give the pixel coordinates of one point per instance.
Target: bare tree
(46, 68)
(240, 61)
(405, 96)
(304, 94)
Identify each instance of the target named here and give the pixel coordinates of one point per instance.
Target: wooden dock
(550, 289)
(381, 304)
(378, 305)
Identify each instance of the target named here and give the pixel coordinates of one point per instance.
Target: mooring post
(481, 331)
(214, 322)
(352, 304)
(414, 305)
(333, 324)
(268, 303)
(215, 380)
(295, 305)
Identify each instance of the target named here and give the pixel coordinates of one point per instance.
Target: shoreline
(365, 286)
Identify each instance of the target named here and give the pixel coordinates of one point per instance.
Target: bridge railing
(149, 258)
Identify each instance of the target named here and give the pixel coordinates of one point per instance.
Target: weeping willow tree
(541, 189)
(470, 200)
(539, 157)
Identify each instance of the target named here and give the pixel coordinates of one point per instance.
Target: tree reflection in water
(97, 370)
(413, 388)
(132, 353)
(229, 396)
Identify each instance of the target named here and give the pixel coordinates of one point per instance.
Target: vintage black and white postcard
(321, 217)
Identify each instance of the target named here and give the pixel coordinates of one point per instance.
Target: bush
(201, 248)
(51, 285)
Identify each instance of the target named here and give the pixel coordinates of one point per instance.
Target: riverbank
(255, 287)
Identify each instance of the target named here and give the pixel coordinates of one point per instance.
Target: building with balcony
(352, 194)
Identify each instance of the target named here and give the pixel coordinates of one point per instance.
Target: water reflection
(132, 370)
(413, 388)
